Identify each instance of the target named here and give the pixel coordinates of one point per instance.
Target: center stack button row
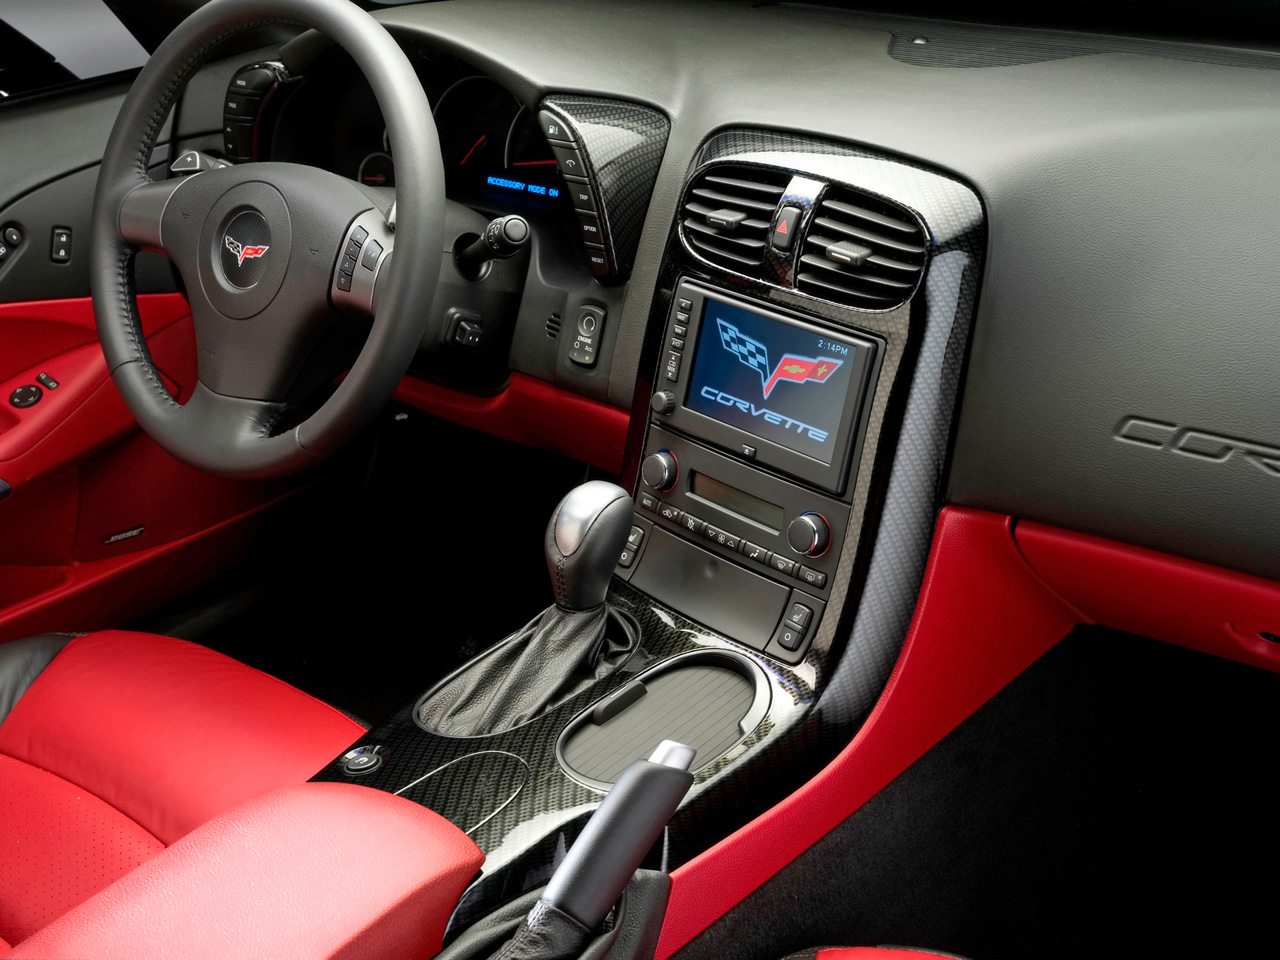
(699, 528)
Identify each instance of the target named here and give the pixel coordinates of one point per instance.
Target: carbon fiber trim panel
(622, 144)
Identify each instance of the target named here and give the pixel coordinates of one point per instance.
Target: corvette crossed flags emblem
(243, 251)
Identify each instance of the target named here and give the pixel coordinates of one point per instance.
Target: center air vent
(727, 213)
(862, 251)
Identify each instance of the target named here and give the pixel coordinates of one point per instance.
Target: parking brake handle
(622, 830)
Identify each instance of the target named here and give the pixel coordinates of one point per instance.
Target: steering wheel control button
(46, 381)
(785, 229)
(814, 578)
(372, 251)
(60, 245)
(12, 236)
(344, 282)
(237, 139)
(240, 105)
(254, 81)
(553, 128)
(25, 396)
(586, 336)
(361, 760)
(353, 249)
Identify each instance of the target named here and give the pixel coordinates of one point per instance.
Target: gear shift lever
(585, 536)
(567, 647)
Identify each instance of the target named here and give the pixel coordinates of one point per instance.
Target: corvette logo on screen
(792, 368)
(243, 251)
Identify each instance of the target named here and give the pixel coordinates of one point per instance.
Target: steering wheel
(261, 248)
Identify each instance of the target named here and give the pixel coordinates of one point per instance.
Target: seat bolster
(169, 733)
(21, 661)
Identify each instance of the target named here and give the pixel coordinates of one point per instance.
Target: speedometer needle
(474, 147)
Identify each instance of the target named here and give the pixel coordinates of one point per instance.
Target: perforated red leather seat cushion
(128, 741)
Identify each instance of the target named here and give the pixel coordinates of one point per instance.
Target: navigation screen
(780, 382)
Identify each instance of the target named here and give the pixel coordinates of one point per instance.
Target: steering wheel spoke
(141, 218)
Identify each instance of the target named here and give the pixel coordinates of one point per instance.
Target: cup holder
(709, 699)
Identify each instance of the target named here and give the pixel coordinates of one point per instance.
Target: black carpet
(365, 596)
(1117, 800)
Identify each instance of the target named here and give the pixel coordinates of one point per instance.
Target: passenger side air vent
(727, 213)
(861, 251)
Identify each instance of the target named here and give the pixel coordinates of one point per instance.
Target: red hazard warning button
(785, 227)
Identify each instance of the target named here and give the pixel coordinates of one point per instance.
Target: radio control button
(672, 371)
(679, 329)
(676, 343)
(685, 305)
(682, 317)
(814, 578)
(664, 401)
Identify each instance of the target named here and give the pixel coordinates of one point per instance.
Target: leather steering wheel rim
(226, 432)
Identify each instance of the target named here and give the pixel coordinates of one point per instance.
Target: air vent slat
(741, 201)
(721, 199)
(737, 185)
(862, 213)
(872, 239)
(862, 251)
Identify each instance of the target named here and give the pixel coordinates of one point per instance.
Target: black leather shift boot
(555, 655)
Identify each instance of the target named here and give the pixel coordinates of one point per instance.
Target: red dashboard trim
(532, 412)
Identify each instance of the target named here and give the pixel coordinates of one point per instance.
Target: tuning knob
(809, 535)
(660, 470)
(664, 401)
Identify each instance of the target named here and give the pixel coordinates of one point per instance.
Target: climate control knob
(660, 470)
(809, 535)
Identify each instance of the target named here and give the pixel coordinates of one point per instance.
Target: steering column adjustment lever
(502, 239)
(619, 834)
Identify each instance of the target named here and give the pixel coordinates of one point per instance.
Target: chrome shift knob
(585, 536)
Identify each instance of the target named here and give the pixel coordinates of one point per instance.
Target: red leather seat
(121, 744)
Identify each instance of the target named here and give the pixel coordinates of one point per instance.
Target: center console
(747, 463)
(792, 411)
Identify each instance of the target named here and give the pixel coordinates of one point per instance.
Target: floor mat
(368, 599)
(1117, 800)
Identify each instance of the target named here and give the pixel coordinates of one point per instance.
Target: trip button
(814, 578)
(782, 564)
